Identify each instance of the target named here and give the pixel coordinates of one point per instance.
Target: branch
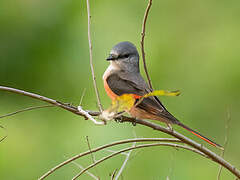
(179, 136)
(185, 140)
(142, 42)
(110, 145)
(127, 149)
(91, 63)
(65, 106)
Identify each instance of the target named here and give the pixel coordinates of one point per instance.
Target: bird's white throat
(112, 67)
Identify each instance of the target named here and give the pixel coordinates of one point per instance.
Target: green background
(192, 46)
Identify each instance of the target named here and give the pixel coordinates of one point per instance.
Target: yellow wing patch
(126, 101)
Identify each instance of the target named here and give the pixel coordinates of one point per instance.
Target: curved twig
(110, 145)
(66, 106)
(130, 148)
(26, 109)
(142, 41)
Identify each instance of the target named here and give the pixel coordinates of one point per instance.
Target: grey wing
(121, 85)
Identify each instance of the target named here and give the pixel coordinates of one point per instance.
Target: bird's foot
(134, 121)
(118, 117)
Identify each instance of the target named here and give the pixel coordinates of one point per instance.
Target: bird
(123, 77)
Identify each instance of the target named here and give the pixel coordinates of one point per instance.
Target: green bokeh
(192, 46)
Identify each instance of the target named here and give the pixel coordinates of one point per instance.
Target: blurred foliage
(192, 46)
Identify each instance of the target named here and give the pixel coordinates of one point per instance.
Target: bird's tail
(200, 136)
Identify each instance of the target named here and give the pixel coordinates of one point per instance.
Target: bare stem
(110, 145)
(125, 162)
(89, 147)
(87, 172)
(91, 62)
(65, 106)
(142, 41)
(130, 148)
(4, 137)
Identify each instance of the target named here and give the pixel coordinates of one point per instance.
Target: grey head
(124, 56)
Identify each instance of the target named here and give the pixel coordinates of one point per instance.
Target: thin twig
(87, 172)
(66, 106)
(130, 148)
(172, 164)
(112, 151)
(225, 141)
(91, 62)
(4, 137)
(89, 147)
(84, 91)
(114, 144)
(125, 162)
(26, 109)
(113, 174)
(126, 159)
(142, 41)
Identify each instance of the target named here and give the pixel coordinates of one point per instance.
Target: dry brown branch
(91, 61)
(179, 136)
(66, 106)
(42, 98)
(128, 149)
(142, 41)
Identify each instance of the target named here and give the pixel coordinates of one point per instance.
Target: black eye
(126, 55)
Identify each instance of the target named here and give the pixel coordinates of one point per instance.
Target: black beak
(111, 57)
